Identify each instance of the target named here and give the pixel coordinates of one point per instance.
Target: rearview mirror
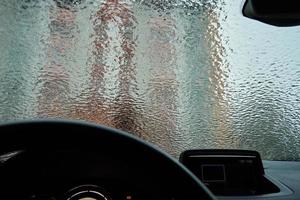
(277, 13)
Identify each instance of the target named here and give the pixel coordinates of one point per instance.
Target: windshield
(181, 74)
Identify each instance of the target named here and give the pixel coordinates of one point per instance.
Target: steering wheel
(70, 160)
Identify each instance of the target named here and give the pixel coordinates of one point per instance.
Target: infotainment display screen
(213, 173)
(226, 171)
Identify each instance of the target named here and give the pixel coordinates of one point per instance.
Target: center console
(229, 172)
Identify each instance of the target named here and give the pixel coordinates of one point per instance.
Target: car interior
(69, 159)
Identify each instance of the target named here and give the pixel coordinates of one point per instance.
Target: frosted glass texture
(182, 74)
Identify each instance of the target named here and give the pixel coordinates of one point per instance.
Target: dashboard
(241, 174)
(285, 175)
(67, 160)
(89, 162)
(229, 172)
(63, 174)
(70, 177)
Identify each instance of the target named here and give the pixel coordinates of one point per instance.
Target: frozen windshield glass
(181, 74)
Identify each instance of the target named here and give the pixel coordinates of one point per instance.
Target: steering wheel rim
(46, 135)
